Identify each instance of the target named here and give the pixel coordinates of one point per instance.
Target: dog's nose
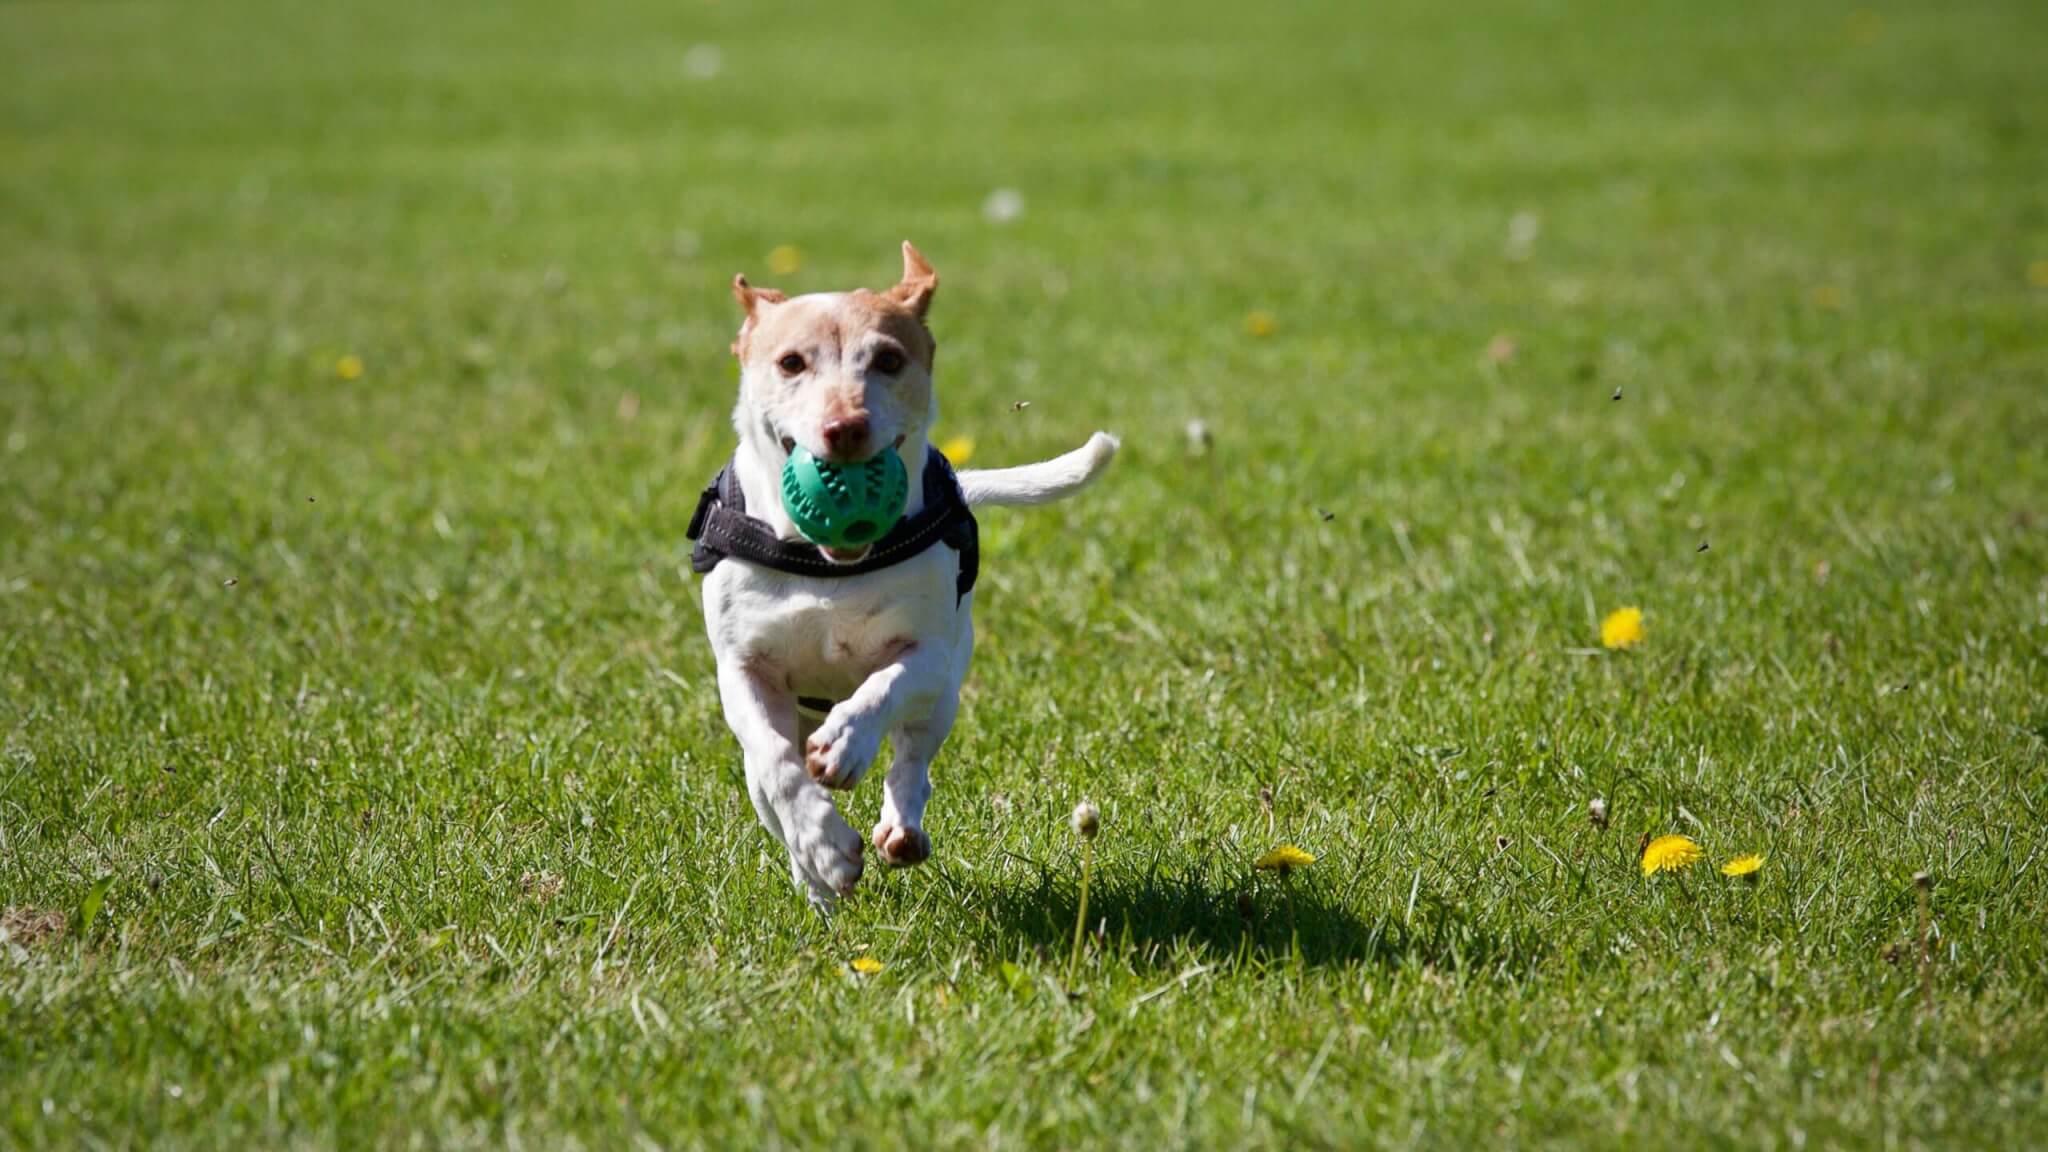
(848, 437)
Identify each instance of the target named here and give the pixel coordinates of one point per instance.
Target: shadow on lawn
(1152, 921)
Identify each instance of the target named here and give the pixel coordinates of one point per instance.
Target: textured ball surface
(844, 506)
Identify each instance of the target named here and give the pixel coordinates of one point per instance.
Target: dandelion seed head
(1002, 206)
(703, 62)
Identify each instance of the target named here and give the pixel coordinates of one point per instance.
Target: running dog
(823, 652)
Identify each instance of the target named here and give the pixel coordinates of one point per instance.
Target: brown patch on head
(898, 312)
(884, 313)
(832, 322)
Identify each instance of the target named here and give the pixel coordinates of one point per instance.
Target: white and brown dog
(822, 653)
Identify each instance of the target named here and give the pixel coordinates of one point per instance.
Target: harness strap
(721, 528)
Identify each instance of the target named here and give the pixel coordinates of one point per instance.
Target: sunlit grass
(361, 775)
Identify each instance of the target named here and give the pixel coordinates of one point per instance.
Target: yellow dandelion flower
(1827, 297)
(1669, 854)
(1745, 865)
(1260, 323)
(1284, 859)
(1622, 628)
(2037, 273)
(786, 260)
(865, 965)
(349, 367)
(958, 449)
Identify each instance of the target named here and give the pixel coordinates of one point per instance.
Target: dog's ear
(915, 290)
(751, 299)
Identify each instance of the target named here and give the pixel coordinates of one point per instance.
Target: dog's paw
(840, 752)
(828, 859)
(902, 847)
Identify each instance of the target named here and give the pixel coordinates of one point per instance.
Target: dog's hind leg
(899, 835)
(825, 854)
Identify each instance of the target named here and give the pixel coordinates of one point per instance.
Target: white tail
(1045, 481)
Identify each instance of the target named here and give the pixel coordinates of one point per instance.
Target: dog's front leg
(839, 753)
(824, 852)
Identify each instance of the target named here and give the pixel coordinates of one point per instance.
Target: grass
(363, 732)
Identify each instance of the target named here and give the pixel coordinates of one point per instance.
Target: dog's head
(845, 374)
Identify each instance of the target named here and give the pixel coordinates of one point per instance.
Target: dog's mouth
(837, 555)
(789, 446)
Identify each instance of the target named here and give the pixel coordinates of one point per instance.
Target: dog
(823, 652)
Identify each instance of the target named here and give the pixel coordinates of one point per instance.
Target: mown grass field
(360, 728)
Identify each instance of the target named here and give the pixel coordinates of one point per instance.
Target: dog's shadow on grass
(1161, 919)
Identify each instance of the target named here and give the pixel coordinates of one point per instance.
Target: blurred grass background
(380, 705)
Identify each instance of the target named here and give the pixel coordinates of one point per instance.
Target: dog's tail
(1043, 482)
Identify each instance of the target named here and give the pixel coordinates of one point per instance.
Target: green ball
(844, 506)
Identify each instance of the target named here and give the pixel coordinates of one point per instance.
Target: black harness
(722, 528)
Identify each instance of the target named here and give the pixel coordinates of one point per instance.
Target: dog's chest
(826, 636)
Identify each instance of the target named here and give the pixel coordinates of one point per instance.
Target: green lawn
(383, 708)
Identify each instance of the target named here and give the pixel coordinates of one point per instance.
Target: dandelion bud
(1596, 811)
(1087, 820)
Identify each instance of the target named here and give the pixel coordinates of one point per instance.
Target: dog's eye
(887, 361)
(791, 364)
